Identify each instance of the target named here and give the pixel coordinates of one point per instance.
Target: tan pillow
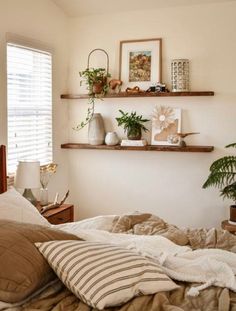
(104, 275)
(22, 268)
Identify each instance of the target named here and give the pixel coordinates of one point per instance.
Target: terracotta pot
(98, 88)
(233, 213)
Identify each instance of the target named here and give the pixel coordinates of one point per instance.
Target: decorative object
(28, 177)
(158, 88)
(97, 85)
(115, 85)
(134, 143)
(112, 139)
(166, 121)
(223, 176)
(133, 90)
(133, 124)
(140, 62)
(46, 171)
(96, 131)
(181, 136)
(173, 139)
(55, 204)
(180, 75)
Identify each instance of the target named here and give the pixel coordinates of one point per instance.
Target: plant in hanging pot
(223, 176)
(97, 85)
(132, 124)
(96, 80)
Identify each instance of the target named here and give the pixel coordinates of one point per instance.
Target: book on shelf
(134, 143)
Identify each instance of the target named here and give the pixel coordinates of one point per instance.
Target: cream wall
(44, 21)
(167, 184)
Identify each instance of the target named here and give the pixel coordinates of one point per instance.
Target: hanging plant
(96, 80)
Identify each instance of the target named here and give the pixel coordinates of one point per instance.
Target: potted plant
(96, 80)
(132, 124)
(223, 176)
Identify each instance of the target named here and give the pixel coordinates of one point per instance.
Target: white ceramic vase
(96, 131)
(112, 139)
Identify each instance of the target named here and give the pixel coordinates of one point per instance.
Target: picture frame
(166, 124)
(140, 63)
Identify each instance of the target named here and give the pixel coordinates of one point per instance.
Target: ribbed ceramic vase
(96, 130)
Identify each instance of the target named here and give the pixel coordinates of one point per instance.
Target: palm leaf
(231, 145)
(229, 192)
(226, 164)
(223, 175)
(219, 179)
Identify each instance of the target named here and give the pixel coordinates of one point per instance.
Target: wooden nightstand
(227, 226)
(60, 215)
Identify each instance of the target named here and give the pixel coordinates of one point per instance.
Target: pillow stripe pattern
(104, 275)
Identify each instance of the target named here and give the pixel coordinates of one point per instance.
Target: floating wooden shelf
(142, 94)
(135, 148)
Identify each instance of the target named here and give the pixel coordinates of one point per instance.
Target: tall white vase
(96, 130)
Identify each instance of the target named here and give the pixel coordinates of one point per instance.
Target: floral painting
(140, 66)
(140, 63)
(166, 123)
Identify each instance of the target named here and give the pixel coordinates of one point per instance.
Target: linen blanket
(58, 298)
(208, 266)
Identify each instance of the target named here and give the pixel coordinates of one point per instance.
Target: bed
(56, 297)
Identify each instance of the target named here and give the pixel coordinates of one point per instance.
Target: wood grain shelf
(142, 94)
(134, 148)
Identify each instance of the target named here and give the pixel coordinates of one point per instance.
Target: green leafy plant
(97, 85)
(223, 175)
(132, 124)
(94, 76)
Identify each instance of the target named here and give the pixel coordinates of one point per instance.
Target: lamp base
(29, 196)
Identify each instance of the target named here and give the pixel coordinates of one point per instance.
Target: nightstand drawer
(60, 215)
(59, 218)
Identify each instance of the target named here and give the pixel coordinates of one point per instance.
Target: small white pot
(112, 139)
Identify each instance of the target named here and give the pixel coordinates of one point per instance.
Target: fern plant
(223, 176)
(132, 124)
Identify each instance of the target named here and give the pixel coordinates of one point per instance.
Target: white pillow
(104, 275)
(98, 222)
(13, 206)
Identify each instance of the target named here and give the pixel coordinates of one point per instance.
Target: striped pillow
(104, 275)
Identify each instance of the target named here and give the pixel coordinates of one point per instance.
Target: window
(29, 85)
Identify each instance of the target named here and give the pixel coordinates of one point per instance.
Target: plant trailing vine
(97, 85)
(223, 175)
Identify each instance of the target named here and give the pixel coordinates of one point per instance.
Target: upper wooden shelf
(135, 148)
(142, 94)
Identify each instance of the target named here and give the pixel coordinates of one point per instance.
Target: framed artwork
(166, 123)
(140, 63)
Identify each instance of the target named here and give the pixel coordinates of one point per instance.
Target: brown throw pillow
(22, 268)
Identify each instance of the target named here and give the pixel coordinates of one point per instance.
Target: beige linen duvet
(58, 298)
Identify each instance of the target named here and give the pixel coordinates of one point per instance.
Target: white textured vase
(96, 131)
(112, 139)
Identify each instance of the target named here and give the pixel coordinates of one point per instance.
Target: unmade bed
(46, 290)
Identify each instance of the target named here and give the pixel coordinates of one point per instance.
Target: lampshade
(28, 175)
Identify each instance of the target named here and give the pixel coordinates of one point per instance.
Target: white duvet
(208, 266)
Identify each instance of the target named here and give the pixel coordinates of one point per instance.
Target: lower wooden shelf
(135, 148)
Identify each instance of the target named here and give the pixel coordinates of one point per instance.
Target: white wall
(43, 21)
(167, 184)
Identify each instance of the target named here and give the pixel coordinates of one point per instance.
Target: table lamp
(28, 177)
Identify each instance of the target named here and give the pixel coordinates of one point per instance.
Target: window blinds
(29, 81)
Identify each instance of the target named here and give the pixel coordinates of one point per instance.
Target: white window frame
(37, 46)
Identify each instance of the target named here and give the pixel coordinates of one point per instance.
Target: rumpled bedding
(210, 299)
